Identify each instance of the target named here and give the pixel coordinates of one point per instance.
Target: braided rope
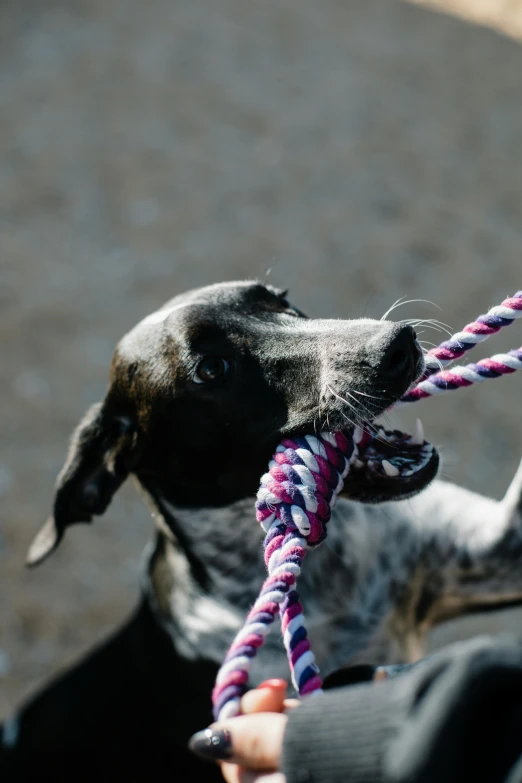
(476, 332)
(295, 500)
(466, 375)
(293, 506)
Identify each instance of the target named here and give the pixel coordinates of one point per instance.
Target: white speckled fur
(363, 588)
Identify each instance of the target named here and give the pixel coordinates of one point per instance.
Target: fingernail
(275, 683)
(212, 744)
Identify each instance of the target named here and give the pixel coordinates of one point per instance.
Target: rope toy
(296, 498)
(461, 342)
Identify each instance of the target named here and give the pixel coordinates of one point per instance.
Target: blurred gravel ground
(362, 150)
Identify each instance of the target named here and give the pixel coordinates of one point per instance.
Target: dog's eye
(210, 368)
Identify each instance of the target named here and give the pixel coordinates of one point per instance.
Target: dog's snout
(401, 356)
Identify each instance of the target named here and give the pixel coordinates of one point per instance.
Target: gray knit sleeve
(414, 727)
(341, 735)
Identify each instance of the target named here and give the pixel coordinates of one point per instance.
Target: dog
(201, 392)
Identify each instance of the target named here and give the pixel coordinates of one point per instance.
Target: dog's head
(202, 391)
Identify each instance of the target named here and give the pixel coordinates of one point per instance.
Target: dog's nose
(401, 357)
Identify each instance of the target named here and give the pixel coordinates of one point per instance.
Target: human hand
(251, 743)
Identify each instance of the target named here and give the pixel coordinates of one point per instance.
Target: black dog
(201, 393)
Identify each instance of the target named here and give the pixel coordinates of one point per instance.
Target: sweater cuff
(342, 730)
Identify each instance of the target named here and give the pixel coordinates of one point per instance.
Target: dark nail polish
(212, 744)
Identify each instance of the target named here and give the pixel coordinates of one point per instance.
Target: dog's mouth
(389, 464)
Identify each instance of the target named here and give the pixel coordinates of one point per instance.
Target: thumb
(252, 741)
(267, 697)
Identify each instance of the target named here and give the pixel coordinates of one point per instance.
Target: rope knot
(303, 479)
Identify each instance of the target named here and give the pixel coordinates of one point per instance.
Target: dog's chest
(345, 587)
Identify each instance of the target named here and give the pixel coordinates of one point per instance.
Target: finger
(290, 704)
(231, 772)
(234, 774)
(267, 697)
(252, 741)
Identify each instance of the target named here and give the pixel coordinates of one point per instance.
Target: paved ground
(362, 151)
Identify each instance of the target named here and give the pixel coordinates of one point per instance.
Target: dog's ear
(103, 451)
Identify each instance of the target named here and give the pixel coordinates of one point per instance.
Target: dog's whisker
(370, 396)
(342, 399)
(362, 420)
(366, 422)
(358, 418)
(400, 303)
(430, 323)
(360, 393)
(349, 420)
(392, 308)
(427, 321)
(352, 397)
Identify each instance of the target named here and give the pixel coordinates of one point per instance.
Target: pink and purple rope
(466, 375)
(436, 380)
(294, 504)
(476, 332)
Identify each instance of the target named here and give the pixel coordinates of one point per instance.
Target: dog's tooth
(390, 469)
(358, 434)
(418, 438)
